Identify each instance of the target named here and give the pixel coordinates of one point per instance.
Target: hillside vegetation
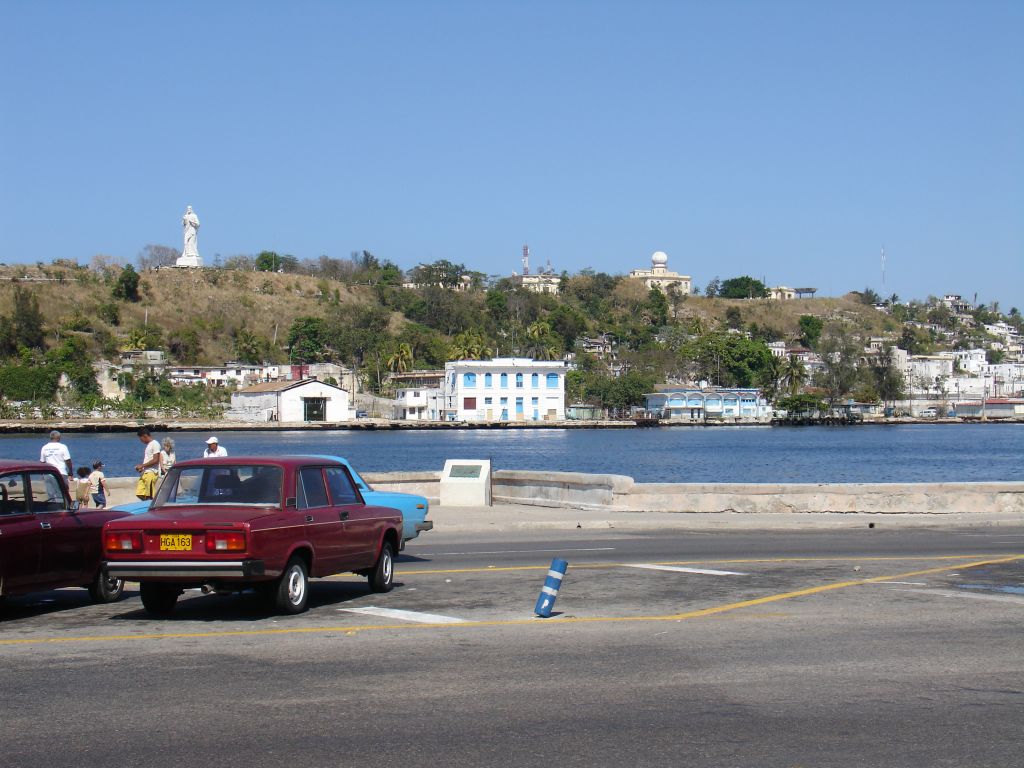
(61, 318)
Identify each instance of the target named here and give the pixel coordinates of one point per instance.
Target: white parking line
(394, 613)
(968, 595)
(513, 551)
(706, 571)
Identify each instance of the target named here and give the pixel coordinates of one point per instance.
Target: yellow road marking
(350, 630)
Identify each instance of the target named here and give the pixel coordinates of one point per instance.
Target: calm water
(921, 453)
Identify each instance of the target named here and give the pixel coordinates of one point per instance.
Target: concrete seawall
(619, 493)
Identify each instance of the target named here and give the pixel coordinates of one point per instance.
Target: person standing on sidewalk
(149, 469)
(98, 485)
(57, 454)
(214, 449)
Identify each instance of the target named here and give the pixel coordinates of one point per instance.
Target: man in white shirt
(57, 454)
(149, 469)
(213, 450)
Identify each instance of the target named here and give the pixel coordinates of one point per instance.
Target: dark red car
(233, 523)
(46, 540)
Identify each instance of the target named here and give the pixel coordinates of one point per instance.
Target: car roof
(8, 465)
(268, 461)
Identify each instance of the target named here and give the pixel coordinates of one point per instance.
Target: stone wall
(620, 493)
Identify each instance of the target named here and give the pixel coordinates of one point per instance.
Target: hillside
(218, 304)
(215, 304)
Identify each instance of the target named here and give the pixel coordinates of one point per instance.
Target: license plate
(175, 542)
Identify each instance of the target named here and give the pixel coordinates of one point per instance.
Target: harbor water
(875, 454)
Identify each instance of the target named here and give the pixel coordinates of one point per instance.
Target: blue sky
(785, 140)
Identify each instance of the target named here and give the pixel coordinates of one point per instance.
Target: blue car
(414, 508)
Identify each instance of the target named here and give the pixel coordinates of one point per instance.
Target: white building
(970, 360)
(927, 372)
(419, 404)
(504, 389)
(659, 276)
(782, 293)
(290, 401)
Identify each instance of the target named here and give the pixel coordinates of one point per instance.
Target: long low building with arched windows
(716, 404)
(504, 389)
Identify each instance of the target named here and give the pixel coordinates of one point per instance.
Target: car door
(359, 533)
(63, 534)
(324, 526)
(19, 536)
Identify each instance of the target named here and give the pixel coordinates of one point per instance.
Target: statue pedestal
(189, 261)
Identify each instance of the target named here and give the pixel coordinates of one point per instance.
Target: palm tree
(769, 377)
(401, 360)
(794, 374)
(538, 329)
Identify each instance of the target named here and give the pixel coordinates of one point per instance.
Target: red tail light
(225, 541)
(123, 541)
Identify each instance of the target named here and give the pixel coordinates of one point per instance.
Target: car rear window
(241, 484)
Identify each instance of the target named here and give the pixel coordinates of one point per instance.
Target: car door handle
(45, 525)
(309, 518)
(343, 515)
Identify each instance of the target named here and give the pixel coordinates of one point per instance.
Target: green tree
(184, 345)
(769, 378)
(126, 288)
(469, 345)
(268, 261)
(713, 287)
(869, 297)
(801, 403)
(810, 330)
(24, 326)
(888, 379)
(744, 287)
(29, 382)
(307, 340)
(727, 359)
(249, 347)
(657, 308)
(838, 376)
(401, 359)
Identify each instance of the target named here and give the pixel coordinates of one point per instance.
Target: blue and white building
(504, 389)
(717, 404)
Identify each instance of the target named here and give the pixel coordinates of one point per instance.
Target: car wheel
(106, 588)
(158, 599)
(292, 588)
(382, 577)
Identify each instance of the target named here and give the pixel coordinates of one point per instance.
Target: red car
(233, 523)
(46, 540)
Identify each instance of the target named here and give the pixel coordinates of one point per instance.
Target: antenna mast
(526, 259)
(883, 269)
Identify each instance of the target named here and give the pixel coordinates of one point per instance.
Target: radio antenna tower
(883, 269)
(526, 259)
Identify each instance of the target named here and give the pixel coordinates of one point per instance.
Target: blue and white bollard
(549, 591)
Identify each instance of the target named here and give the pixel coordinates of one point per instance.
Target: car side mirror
(75, 505)
(290, 502)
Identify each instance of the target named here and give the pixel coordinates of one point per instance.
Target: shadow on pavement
(248, 606)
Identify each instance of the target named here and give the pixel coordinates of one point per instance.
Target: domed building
(659, 276)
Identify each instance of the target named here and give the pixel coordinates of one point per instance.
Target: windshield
(232, 485)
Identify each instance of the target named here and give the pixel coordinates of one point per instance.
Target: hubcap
(296, 586)
(386, 567)
(112, 584)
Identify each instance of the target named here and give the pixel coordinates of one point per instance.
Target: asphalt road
(856, 648)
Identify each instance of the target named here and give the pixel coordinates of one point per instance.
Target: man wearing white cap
(213, 449)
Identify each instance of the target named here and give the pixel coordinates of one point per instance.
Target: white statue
(190, 253)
